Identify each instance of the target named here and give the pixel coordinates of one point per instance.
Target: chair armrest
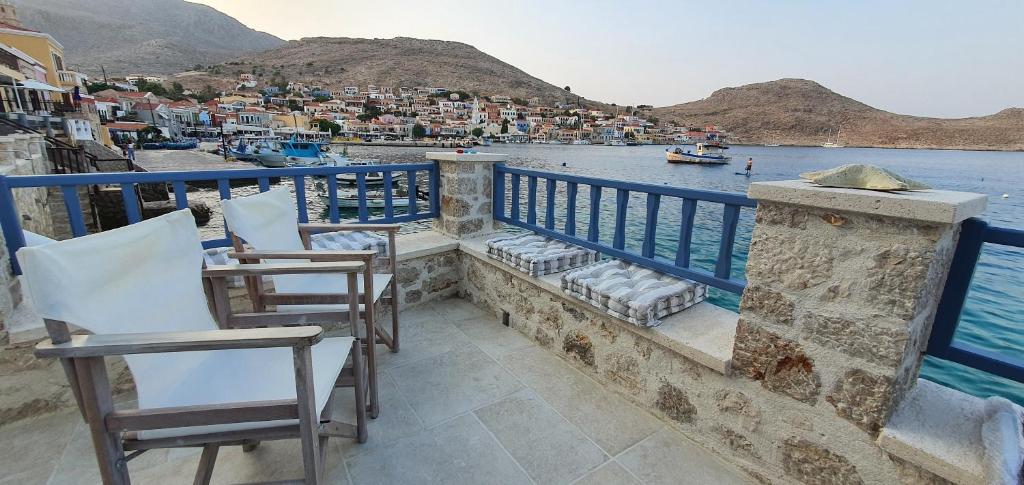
(162, 342)
(324, 227)
(226, 270)
(312, 255)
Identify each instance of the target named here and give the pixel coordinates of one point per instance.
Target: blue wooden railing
(68, 184)
(721, 277)
(974, 233)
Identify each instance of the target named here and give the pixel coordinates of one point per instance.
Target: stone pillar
(842, 287)
(466, 183)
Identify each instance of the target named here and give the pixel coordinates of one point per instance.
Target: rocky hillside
(800, 112)
(394, 62)
(145, 36)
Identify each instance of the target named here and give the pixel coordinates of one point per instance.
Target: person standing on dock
(130, 149)
(750, 165)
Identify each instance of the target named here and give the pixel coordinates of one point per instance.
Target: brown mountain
(401, 61)
(800, 112)
(141, 36)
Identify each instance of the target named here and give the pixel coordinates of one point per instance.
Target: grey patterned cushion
(633, 293)
(538, 255)
(219, 256)
(349, 241)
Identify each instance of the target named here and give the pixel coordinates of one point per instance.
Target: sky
(927, 58)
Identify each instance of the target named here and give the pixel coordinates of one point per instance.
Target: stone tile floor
(467, 400)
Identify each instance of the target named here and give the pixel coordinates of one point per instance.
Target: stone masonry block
(862, 340)
(770, 304)
(863, 398)
(780, 364)
(814, 464)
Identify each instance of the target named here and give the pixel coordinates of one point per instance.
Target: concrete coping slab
(421, 244)
(941, 206)
(466, 157)
(703, 333)
(938, 429)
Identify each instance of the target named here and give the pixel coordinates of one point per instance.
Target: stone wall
(773, 435)
(22, 155)
(428, 278)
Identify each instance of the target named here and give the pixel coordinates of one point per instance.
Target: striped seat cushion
(349, 241)
(633, 293)
(538, 255)
(219, 256)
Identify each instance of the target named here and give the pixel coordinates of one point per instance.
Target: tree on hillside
(101, 86)
(477, 132)
(328, 125)
(418, 131)
(206, 94)
(504, 126)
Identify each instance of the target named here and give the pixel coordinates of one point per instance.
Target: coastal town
(39, 83)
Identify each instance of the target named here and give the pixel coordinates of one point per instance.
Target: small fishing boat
(706, 154)
(374, 200)
(581, 142)
(371, 178)
(616, 143)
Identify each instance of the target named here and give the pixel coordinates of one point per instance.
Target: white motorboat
(372, 178)
(616, 143)
(374, 199)
(706, 154)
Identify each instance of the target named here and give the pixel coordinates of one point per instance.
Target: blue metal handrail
(974, 233)
(11, 224)
(720, 278)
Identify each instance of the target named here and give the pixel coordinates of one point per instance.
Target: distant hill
(401, 61)
(800, 112)
(144, 36)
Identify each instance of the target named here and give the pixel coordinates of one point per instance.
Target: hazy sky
(929, 58)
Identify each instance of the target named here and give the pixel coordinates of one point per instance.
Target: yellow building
(40, 45)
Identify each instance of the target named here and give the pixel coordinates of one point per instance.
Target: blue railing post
(498, 191)
(11, 222)
(435, 190)
(958, 283)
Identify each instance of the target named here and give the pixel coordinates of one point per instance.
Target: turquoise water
(994, 315)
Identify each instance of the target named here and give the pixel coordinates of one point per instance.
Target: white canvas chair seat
(242, 375)
(325, 284)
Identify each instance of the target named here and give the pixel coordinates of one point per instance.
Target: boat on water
(581, 142)
(372, 178)
(616, 142)
(833, 144)
(349, 199)
(706, 154)
(771, 140)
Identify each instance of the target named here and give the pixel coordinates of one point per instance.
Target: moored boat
(616, 143)
(374, 199)
(706, 154)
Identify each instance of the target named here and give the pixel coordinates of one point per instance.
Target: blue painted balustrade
(127, 181)
(508, 180)
(974, 234)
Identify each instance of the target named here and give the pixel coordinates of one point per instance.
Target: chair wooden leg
(359, 374)
(98, 402)
(394, 316)
(206, 461)
(309, 422)
(371, 362)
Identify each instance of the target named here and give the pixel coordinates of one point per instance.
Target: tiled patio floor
(466, 401)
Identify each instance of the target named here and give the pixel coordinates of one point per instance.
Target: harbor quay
(813, 380)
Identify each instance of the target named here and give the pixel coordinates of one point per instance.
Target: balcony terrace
(504, 377)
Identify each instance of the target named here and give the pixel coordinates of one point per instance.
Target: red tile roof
(5, 25)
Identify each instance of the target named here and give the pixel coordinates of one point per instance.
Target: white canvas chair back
(269, 221)
(266, 221)
(145, 277)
